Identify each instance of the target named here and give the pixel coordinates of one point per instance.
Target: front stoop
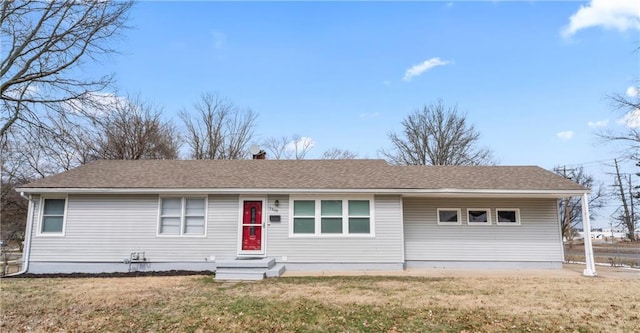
(275, 271)
(248, 269)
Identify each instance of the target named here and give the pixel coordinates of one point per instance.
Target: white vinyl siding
(107, 228)
(182, 217)
(537, 238)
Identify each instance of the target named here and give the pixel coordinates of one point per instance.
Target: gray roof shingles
(301, 174)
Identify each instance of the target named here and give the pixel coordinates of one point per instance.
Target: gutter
(405, 192)
(27, 238)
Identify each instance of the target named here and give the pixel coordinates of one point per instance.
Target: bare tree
(276, 147)
(300, 146)
(626, 215)
(630, 136)
(219, 129)
(295, 147)
(629, 105)
(13, 208)
(134, 130)
(13, 214)
(338, 154)
(437, 135)
(45, 44)
(129, 130)
(571, 208)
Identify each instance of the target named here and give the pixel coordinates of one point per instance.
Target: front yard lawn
(327, 304)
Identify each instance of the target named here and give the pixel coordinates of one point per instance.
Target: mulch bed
(108, 275)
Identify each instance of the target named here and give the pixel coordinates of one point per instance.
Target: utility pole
(626, 217)
(632, 217)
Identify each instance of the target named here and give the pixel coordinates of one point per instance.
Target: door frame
(263, 243)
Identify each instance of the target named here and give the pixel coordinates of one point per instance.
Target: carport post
(590, 269)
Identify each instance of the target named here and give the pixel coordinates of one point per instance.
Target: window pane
(359, 225)
(170, 225)
(304, 225)
(331, 225)
(331, 208)
(358, 207)
(172, 206)
(478, 216)
(507, 216)
(194, 225)
(53, 206)
(195, 207)
(52, 223)
(304, 208)
(448, 215)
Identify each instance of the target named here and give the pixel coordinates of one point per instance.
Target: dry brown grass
(364, 303)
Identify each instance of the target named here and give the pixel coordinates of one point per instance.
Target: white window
(508, 216)
(478, 216)
(182, 216)
(449, 216)
(331, 217)
(53, 216)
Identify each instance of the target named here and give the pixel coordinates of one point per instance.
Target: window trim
(518, 220)
(458, 210)
(345, 216)
(183, 208)
(487, 210)
(41, 216)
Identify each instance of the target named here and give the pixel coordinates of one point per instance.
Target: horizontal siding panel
(386, 246)
(536, 239)
(110, 227)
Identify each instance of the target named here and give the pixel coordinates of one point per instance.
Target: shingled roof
(300, 174)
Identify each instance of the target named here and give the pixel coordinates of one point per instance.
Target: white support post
(590, 269)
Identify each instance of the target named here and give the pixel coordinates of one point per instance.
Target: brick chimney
(261, 155)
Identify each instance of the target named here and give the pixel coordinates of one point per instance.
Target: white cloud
(598, 123)
(633, 92)
(418, 69)
(300, 144)
(621, 15)
(219, 39)
(565, 135)
(631, 119)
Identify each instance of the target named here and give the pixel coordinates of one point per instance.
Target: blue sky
(532, 76)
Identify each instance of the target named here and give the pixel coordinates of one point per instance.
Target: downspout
(590, 269)
(560, 230)
(27, 237)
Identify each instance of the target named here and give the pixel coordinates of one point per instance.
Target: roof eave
(494, 193)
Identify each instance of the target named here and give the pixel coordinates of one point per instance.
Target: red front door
(252, 226)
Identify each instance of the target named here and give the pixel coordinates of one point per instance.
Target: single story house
(156, 215)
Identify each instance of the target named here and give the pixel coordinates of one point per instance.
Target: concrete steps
(275, 271)
(247, 269)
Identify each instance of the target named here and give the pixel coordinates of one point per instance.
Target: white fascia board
(405, 192)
